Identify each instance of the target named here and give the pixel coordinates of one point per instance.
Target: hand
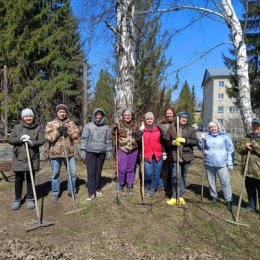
(108, 155)
(82, 154)
(25, 137)
(141, 128)
(203, 135)
(180, 140)
(249, 146)
(115, 126)
(63, 130)
(175, 143)
(29, 142)
(230, 167)
(164, 156)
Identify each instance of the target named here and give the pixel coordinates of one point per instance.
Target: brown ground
(107, 229)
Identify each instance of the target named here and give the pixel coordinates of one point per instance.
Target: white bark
(125, 50)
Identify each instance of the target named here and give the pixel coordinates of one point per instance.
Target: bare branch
(111, 27)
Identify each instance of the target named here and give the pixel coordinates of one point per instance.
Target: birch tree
(225, 10)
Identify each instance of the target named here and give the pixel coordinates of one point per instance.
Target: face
(256, 128)
(62, 114)
(149, 121)
(99, 116)
(213, 129)
(169, 115)
(127, 118)
(183, 120)
(28, 120)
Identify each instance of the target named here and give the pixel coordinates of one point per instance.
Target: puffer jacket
(57, 143)
(127, 136)
(254, 159)
(218, 149)
(186, 150)
(96, 136)
(35, 132)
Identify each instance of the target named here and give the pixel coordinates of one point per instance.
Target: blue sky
(185, 47)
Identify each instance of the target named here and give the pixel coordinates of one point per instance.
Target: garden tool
(241, 194)
(203, 173)
(40, 223)
(178, 164)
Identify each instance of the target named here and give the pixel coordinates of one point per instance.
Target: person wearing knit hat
(61, 133)
(251, 143)
(125, 130)
(218, 149)
(151, 137)
(27, 131)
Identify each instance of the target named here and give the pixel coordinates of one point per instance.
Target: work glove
(203, 135)
(25, 137)
(63, 130)
(175, 143)
(108, 155)
(164, 156)
(29, 142)
(180, 140)
(141, 128)
(82, 154)
(230, 167)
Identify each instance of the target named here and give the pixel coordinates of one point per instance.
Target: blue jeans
(178, 191)
(224, 177)
(56, 166)
(152, 172)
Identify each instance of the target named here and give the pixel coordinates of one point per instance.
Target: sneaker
(54, 198)
(30, 204)
(120, 188)
(248, 209)
(151, 193)
(90, 197)
(181, 201)
(214, 201)
(130, 190)
(171, 202)
(99, 194)
(16, 204)
(229, 206)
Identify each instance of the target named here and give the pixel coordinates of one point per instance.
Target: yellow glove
(177, 143)
(180, 140)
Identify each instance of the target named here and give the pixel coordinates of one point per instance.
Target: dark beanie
(61, 107)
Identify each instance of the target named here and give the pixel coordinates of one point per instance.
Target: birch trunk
(125, 50)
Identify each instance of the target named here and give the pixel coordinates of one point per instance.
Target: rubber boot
(172, 202)
(229, 206)
(181, 201)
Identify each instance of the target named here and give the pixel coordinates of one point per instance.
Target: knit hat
(61, 107)
(214, 123)
(27, 112)
(148, 115)
(256, 121)
(184, 114)
(127, 112)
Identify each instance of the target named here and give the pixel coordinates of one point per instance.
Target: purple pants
(126, 167)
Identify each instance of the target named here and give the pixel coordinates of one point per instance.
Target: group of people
(166, 149)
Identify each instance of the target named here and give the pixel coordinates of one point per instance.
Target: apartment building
(217, 106)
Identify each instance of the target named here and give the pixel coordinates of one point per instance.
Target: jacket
(254, 159)
(218, 149)
(57, 143)
(20, 162)
(96, 136)
(186, 150)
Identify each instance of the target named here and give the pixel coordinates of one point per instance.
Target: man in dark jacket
(27, 131)
(185, 142)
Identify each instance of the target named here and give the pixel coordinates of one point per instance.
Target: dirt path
(128, 230)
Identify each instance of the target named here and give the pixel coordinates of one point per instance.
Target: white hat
(27, 112)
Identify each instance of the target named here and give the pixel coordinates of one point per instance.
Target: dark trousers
(252, 188)
(94, 163)
(19, 178)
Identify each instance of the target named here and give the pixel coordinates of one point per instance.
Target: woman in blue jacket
(218, 149)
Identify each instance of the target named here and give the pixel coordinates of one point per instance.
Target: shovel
(40, 223)
(241, 195)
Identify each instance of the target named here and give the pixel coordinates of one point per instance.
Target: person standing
(218, 149)
(186, 140)
(153, 153)
(127, 150)
(251, 143)
(166, 175)
(96, 145)
(61, 133)
(27, 131)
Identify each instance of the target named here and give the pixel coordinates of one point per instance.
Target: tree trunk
(125, 50)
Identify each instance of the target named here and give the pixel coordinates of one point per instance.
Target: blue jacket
(218, 149)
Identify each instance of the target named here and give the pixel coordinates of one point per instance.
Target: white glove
(203, 135)
(230, 167)
(25, 137)
(29, 141)
(82, 154)
(164, 156)
(141, 128)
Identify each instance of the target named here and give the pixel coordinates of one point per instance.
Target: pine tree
(150, 93)
(104, 94)
(40, 42)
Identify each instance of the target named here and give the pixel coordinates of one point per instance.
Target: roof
(215, 73)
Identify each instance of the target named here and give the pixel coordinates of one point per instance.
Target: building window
(233, 109)
(220, 96)
(221, 83)
(220, 109)
(220, 121)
